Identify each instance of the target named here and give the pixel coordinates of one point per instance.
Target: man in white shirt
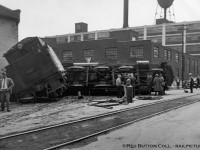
(119, 86)
(6, 85)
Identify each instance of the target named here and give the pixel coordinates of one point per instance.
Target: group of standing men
(190, 81)
(128, 82)
(159, 84)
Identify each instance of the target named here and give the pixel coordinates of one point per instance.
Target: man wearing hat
(191, 82)
(157, 84)
(6, 85)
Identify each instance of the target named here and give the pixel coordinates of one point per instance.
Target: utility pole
(183, 28)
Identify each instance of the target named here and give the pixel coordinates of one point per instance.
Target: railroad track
(57, 136)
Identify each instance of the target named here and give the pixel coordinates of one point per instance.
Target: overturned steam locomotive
(35, 69)
(92, 78)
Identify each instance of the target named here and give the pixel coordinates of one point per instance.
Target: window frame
(109, 56)
(86, 56)
(168, 55)
(63, 56)
(156, 52)
(177, 57)
(139, 52)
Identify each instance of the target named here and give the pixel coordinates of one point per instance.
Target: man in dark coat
(198, 82)
(157, 84)
(191, 80)
(149, 82)
(163, 85)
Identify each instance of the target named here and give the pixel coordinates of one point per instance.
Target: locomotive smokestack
(125, 14)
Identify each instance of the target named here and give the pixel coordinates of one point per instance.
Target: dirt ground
(34, 115)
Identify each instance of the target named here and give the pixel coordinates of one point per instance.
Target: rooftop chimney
(125, 14)
(81, 27)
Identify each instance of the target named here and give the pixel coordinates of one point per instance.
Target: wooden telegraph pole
(183, 28)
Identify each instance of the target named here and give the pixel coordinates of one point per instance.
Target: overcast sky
(55, 17)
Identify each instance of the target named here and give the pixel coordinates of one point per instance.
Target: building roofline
(8, 13)
(128, 28)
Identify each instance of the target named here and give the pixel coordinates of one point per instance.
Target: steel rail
(118, 126)
(90, 118)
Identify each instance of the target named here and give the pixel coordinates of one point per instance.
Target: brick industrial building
(9, 20)
(122, 46)
(164, 42)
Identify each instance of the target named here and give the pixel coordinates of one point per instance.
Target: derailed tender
(35, 70)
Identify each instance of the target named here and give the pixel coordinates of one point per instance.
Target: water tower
(164, 4)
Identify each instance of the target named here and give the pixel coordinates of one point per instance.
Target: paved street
(174, 130)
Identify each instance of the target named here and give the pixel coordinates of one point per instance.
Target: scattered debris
(106, 103)
(149, 97)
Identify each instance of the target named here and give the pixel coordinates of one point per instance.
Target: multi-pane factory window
(192, 38)
(111, 53)
(171, 29)
(177, 57)
(67, 55)
(173, 39)
(88, 53)
(89, 36)
(193, 66)
(103, 35)
(188, 65)
(155, 39)
(154, 30)
(156, 52)
(167, 54)
(75, 38)
(196, 66)
(62, 39)
(136, 52)
(177, 72)
(140, 31)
